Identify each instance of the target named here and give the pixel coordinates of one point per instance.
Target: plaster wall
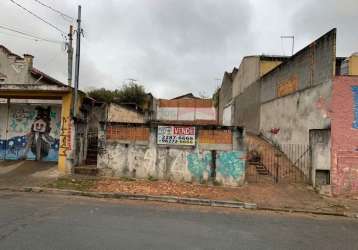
(146, 159)
(294, 115)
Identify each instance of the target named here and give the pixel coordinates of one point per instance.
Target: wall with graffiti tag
(145, 158)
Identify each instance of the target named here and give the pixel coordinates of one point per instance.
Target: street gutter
(171, 199)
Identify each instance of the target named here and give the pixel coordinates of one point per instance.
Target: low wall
(207, 160)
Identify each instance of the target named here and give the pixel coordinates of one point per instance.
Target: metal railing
(280, 163)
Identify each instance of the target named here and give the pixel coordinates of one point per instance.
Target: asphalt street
(39, 221)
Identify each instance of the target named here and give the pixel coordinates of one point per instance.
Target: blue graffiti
(355, 104)
(14, 148)
(198, 166)
(231, 164)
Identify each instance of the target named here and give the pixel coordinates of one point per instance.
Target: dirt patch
(265, 195)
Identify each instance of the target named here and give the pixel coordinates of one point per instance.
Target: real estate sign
(174, 135)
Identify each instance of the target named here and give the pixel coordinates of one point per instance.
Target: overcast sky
(173, 47)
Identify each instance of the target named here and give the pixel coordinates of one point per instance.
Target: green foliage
(216, 97)
(152, 178)
(128, 93)
(131, 93)
(102, 95)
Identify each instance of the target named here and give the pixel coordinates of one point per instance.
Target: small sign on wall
(174, 135)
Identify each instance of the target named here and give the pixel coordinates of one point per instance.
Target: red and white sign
(173, 135)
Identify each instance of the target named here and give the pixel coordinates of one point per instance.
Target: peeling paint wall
(145, 159)
(294, 115)
(118, 113)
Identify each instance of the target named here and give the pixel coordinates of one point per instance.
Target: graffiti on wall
(231, 164)
(65, 136)
(33, 133)
(199, 165)
(355, 105)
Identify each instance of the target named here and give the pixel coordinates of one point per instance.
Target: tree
(128, 94)
(215, 97)
(131, 94)
(102, 95)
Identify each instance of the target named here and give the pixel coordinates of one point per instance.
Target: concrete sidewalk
(27, 173)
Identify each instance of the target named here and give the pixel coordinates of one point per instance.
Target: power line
(55, 10)
(40, 18)
(34, 37)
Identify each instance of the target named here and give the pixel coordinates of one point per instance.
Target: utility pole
(77, 63)
(70, 56)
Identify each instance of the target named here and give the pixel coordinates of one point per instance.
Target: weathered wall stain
(147, 159)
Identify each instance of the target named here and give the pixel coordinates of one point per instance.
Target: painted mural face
(29, 125)
(39, 139)
(40, 126)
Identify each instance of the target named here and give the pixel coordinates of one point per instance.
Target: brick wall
(344, 133)
(209, 136)
(186, 103)
(128, 133)
(187, 110)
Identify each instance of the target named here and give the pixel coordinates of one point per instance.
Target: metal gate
(287, 163)
(92, 147)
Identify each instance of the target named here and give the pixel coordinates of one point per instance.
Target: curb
(173, 199)
(305, 211)
(158, 198)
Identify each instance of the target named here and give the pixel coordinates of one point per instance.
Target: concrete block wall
(247, 108)
(145, 159)
(313, 65)
(344, 134)
(292, 96)
(225, 94)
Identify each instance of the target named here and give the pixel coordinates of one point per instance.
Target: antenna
(293, 42)
(130, 80)
(217, 80)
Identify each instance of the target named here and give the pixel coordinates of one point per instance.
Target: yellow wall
(353, 65)
(65, 136)
(266, 66)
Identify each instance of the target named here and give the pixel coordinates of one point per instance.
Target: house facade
(183, 142)
(291, 104)
(36, 120)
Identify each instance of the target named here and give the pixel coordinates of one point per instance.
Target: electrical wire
(40, 18)
(65, 16)
(30, 36)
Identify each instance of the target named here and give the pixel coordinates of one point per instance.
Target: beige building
(252, 68)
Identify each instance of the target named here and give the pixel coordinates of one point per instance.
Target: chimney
(29, 60)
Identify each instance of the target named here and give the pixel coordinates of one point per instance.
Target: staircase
(91, 161)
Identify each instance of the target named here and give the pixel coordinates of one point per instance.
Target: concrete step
(86, 170)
